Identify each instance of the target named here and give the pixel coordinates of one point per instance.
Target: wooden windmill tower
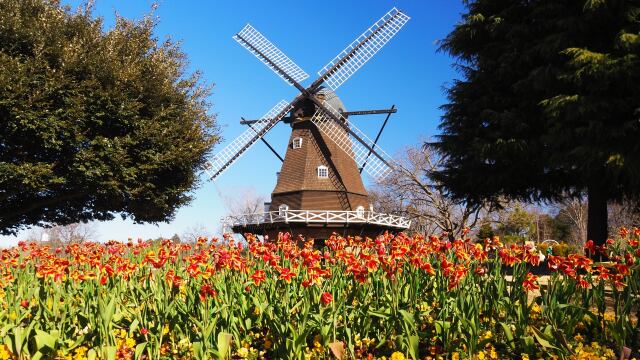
(319, 188)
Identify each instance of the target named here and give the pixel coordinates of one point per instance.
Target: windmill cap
(331, 98)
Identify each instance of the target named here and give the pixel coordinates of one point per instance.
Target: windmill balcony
(328, 217)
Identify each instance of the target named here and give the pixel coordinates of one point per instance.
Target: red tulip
(258, 277)
(144, 331)
(530, 282)
(326, 298)
(590, 245)
(207, 291)
(24, 304)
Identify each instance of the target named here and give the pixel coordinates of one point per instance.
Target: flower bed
(392, 297)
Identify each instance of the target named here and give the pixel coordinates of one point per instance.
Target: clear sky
(407, 72)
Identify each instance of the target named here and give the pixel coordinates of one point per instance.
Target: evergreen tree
(548, 104)
(94, 123)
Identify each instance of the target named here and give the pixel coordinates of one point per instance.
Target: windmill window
(282, 209)
(323, 172)
(297, 143)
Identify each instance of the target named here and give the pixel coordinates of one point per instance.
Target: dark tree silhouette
(548, 104)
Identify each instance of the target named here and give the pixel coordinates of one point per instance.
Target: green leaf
(408, 318)
(379, 314)
(414, 342)
(224, 344)
(198, 350)
(44, 339)
(139, 350)
(508, 334)
(91, 354)
(133, 327)
(541, 338)
(110, 352)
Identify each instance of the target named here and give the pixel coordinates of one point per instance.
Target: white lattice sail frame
(259, 42)
(379, 34)
(358, 152)
(230, 153)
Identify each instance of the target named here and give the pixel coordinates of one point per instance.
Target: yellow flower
(267, 344)
(578, 338)
(366, 341)
(397, 356)
(455, 356)
(317, 342)
(165, 329)
(480, 355)
(525, 357)
(256, 310)
(243, 352)
(80, 353)
(609, 354)
(609, 316)
(535, 309)
(4, 353)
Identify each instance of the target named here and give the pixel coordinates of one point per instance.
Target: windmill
(319, 188)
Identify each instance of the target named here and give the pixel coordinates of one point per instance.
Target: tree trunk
(597, 229)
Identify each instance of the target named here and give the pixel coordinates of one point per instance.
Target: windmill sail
(363, 48)
(229, 154)
(376, 166)
(269, 54)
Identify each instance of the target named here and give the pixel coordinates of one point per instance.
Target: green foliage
(519, 223)
(548, 103)
(561, 249)
(485, 232)
(94, 123)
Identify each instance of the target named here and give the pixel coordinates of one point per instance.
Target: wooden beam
(392, 110)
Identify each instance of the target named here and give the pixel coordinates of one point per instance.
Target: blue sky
(407, 72)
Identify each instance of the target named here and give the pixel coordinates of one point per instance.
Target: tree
(67, 234)
(623, 213)
(411, 191)
(519, 223)
(574, 213)
(548, 103)
(94, 123)
(485, 232)
(244, 205)
(194, 232)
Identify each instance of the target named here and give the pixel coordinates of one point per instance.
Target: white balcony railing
(317, 216)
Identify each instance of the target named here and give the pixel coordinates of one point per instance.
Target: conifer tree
(547, 104)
